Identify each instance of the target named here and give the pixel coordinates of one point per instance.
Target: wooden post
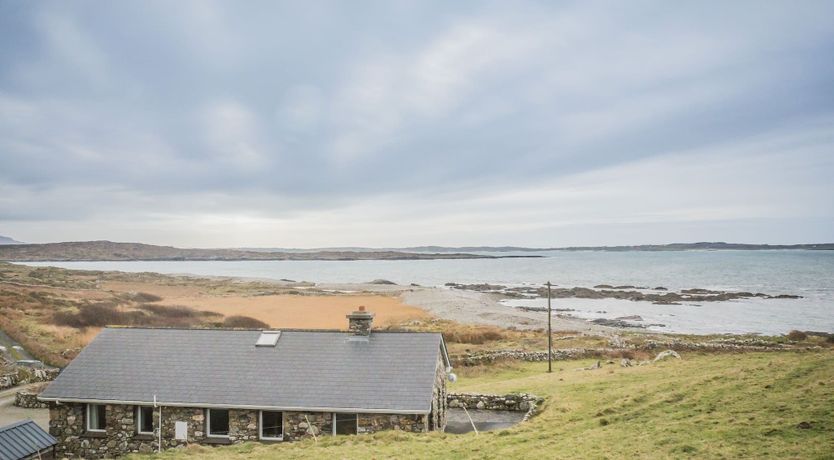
(549, 333)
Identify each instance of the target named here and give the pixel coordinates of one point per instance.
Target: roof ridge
(231, 329)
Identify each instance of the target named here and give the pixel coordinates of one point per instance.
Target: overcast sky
(305, 124)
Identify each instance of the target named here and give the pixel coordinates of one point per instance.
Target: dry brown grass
(475, 335)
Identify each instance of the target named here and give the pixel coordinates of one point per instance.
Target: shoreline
(472, 307)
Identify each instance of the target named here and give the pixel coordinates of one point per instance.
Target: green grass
(704, 406)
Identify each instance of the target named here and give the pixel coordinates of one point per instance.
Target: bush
(797, 336)
(244, 322)
(145, 297)
(108, 314)
(96, 315)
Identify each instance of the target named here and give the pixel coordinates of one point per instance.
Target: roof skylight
(268, 339)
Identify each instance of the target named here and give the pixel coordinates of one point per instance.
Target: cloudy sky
(304, 124)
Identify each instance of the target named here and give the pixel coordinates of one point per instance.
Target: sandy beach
(391, 303)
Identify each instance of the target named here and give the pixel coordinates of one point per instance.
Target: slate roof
(22, 439)
(306, 370)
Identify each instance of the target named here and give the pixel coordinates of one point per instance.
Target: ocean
(806, 273)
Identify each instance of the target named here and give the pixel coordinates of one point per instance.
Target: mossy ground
(747, 405)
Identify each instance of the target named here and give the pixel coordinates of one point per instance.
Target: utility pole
(549, 334)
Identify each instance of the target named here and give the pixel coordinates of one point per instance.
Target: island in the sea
(111, 251)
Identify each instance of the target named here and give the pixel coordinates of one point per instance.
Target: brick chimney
(359, 322)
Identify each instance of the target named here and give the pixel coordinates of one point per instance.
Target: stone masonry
(439, 400)
(511, 402)
(29, 399)
(67, 424)
(360, 322)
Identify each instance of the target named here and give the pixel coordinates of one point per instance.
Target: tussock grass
(751, 405)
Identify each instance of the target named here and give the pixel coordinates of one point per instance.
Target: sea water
(800, 272)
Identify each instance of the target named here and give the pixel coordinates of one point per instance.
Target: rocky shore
(658, 295)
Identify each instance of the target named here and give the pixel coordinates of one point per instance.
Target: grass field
(753, 405)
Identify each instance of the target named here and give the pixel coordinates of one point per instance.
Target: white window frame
(208, 423)
(261, 426)
(139, 420)
(334, 421)
(87, 419)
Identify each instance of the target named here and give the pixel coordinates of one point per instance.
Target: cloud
(274, 124)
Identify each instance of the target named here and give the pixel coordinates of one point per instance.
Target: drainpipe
(159, 427)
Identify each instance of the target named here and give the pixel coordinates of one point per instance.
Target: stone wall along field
(523, 402)
(28, 399)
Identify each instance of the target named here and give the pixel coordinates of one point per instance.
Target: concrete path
(10, 414)
(485, 420)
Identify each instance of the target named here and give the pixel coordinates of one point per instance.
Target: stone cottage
(145, 389)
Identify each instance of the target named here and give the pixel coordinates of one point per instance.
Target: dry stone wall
(523, 402)
(23, 375)
(29, 400)
(564, 354)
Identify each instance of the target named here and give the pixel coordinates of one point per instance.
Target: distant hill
(701, 246)
(642, 247)
(110, 251)
(7, 240)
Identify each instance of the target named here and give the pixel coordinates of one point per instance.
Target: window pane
(146, 419)
(96, 413)
(345, 423)
(218, 422)
(271, 424)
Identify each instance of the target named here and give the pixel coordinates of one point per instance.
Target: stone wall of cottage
(67, 424)
(439, 403)
(300, 425)
(371, 423)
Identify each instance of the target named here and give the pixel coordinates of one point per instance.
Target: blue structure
(24, 440)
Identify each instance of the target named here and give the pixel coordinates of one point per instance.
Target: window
(144, 419)
(345, 423)
(96, 420)
(272, 425)
(217, 421)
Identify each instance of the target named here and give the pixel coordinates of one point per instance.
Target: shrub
(108, 314)
(145, 297)
(95, 315)
(244, 322)
(797, 336)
